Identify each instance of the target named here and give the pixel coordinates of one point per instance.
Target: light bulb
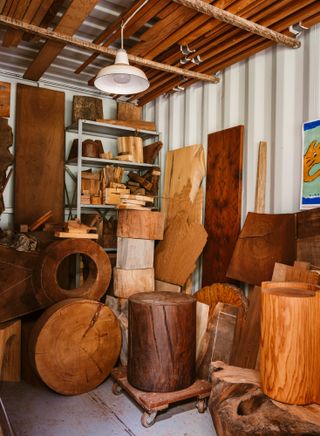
(121, 78)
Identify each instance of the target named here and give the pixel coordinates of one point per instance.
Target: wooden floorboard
(37, 411)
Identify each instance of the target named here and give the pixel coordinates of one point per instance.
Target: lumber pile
(74, 229)
(107, 186)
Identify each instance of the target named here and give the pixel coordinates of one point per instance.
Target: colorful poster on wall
(310, 188)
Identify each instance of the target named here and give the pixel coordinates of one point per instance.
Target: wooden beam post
(66, 39)
(242, 23)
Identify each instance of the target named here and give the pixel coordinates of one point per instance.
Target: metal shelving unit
(103, 130)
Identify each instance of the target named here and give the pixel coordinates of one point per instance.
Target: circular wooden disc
(74, 345)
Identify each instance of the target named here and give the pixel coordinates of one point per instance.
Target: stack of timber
(239, 407)
(137, 231)
(132, 201)
(74, 229)
(145, 184)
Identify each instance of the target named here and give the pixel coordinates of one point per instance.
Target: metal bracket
(196, 60)
(297, 29)
(185, 50)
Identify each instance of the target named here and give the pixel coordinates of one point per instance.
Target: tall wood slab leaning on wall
(223, 202)
(39, 171)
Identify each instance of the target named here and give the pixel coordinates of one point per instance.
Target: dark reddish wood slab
(39, 160)
(223, 202)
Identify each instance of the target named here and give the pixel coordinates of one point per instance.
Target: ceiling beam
(69, 23)
(240, 22)
(76, 42)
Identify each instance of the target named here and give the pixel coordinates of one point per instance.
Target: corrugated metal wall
(272, 94)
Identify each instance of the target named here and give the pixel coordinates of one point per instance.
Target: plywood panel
(39, 175)
(223, 202)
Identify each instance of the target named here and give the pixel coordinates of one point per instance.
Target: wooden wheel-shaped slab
(74, 345)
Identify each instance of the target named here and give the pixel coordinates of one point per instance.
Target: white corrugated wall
(272, 94)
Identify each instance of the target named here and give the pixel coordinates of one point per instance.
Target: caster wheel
(201, 405)
(148, 419)
(116, 389)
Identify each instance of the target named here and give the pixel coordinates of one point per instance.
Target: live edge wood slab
(239, 407)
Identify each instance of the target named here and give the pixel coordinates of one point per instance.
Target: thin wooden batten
(240, 22)
(66, 39)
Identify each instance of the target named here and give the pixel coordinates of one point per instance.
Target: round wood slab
(74, 345)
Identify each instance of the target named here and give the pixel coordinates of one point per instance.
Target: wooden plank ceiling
(156, 32)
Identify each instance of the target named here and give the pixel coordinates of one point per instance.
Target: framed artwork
(310, 186)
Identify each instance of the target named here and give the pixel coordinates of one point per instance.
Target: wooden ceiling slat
(169, 9)
(224, 31)
(242, 23)
(69, 23)
(11, 35)
(240, 7)
(6, 7)
(223, 40)
(253, 45)
(2, 3)
(155, 36)
(190, 26)
(33, 13)
(112, 33)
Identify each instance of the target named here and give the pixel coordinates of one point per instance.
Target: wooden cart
(153, 402)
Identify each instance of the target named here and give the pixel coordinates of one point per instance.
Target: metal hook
(297, 29)
(185, 50)
(196, 60)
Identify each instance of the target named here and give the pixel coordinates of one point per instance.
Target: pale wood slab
(10, 351)
(132, 145)
(74, 235)
(260, 198)
(287, 273)
(202, 323)
(140, 224)
(135, 253)
(167, 287)
(135, 124)
(74, 345)
(176, 255)
(128, 282)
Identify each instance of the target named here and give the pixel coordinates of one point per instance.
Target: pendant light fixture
(121, 77)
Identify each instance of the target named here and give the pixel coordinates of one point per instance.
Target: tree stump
(162, 341)
(74, 345)
(239, 407)
(290, 342)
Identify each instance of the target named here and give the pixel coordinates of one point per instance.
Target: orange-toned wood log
(131, 145)
(74, 345)
(140, 224)
(290, 342)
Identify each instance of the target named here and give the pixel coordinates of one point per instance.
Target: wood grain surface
(290, 342)
(223, 202)
(74, 345)
(287, 273)
(39, 159)
(127, 282)
(162, 341)
(135, 253)
(239, 407)
(5, 89)
(10, 351)
(140, 224)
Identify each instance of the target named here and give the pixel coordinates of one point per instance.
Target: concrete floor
(37, 411)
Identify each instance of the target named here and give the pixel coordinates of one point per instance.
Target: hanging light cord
(124, 23)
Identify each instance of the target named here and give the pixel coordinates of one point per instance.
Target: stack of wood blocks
(137, 230)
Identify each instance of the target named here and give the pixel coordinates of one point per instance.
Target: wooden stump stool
(162, 341)
(290, 342)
